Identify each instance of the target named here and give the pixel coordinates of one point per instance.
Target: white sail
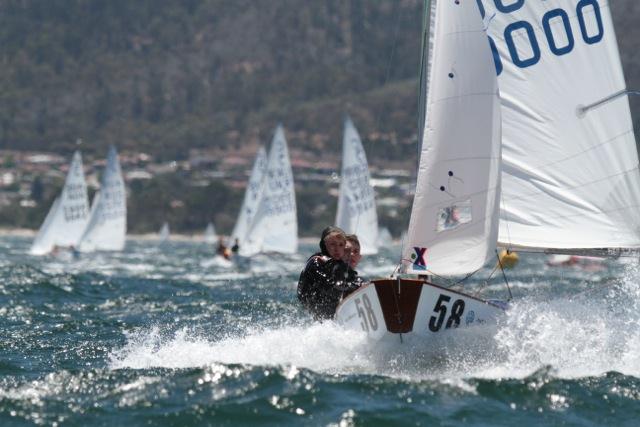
(107, 226)
(210, 234)
(356, 203)
(385, 239)
(454, 219)
(67, 217)
(275, 226)
(163, 234)
(252, 196)
(570, 175)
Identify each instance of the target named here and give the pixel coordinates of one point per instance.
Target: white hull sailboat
(356, 202)
(107, 226)
(454, 221)
(567, 178)
(274, 227)
(67, 218)
(251, 201)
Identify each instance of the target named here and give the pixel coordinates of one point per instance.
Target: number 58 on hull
(393, 309)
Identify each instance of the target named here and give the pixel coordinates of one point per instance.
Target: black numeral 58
(435, 323)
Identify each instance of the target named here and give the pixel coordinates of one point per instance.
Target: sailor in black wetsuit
(325, 279)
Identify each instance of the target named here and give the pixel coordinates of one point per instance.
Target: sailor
(236, 247)
(326, 276)
(223, 251)
(352, 257)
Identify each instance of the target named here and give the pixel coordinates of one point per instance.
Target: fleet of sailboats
(71, 225)
(356, 201)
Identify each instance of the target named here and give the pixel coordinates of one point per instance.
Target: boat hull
(409, 309)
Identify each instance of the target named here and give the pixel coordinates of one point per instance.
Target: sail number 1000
(558, 31)
(435, 322)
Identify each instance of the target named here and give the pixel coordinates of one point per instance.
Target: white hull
(405, 310)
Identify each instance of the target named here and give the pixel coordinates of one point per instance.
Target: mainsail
(163, 234)
(454, 219)
(210, 234)
(107, 226)
(275, 225)
(67, 218)
(356, 203)
(570, 178)
(252, 196)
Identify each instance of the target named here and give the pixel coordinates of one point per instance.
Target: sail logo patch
(418, 258)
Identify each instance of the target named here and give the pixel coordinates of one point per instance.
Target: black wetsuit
(323, 283)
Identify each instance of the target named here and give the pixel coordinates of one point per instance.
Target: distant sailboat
(385, 239)
(275, 225)
(252, 197)
(356, 203)
(163, 235)
(210, 234)
(107, 226)
(68, 215)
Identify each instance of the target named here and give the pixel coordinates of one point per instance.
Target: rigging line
(504, 276)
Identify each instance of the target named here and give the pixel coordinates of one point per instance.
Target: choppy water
(165, 336)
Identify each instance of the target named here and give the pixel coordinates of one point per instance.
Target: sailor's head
(352, 251)
(332, 242)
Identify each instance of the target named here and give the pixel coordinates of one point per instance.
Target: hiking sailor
(326, 277)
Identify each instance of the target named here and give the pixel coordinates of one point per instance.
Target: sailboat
(210, 234)
(107, 226)
(568, 178)
(163, 234)
(453, 228)
(274, 227)
(251, 201)
(67, 217)
(356, 202)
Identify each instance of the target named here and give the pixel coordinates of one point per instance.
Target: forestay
(275, 226)
(252, 196)
(67, 218)
(570, 178)
(107, 226)
(454, 219)
(356, 203)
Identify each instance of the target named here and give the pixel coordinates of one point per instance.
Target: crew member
(326, 276)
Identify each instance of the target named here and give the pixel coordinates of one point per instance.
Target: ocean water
(167, 336)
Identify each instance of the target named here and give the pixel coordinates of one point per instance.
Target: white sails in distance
(275, 226)
(67, 218)
(356, 203)
(251, 201)
(107, 226)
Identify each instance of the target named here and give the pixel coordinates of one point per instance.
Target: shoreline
(27, 232)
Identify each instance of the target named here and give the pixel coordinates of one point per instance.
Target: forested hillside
(164, 76)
